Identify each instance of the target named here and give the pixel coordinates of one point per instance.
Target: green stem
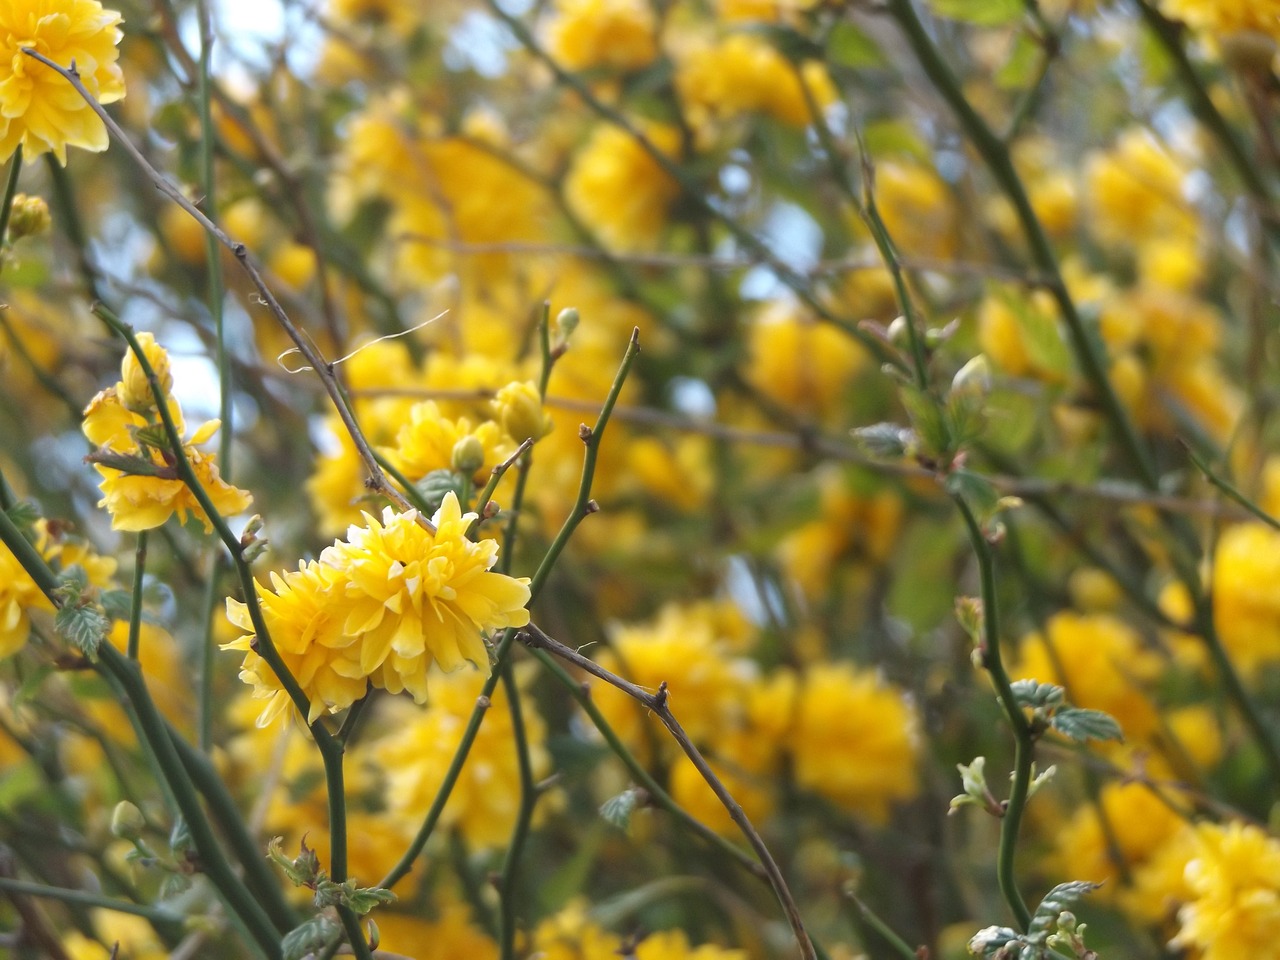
(86, 898)
(996, 155)
(1022, 732)
(524, 817)
(871, 919)
(205, 703)
(10, 191)
(135, 607)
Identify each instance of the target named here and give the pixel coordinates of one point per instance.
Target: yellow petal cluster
(381, 607)
(603, 33)
(1234, 881)
(148, 497)
(39, 110)
(428, 441)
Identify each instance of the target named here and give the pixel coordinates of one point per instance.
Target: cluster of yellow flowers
(380, 608)
(141, 488)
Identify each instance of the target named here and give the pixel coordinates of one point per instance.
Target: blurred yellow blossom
(1219, 17)
(856, 740)
(1233, 878)
(1246, 605)
(39, 110)
(621, 34)
(427, 442)
(619, 189)
(1136, 191)
(798, 361)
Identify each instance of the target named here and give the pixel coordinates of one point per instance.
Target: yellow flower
(305, 625)
(1234, 880)
(800, 362)
(39, 110)
(486, 798)
(1136, 192)
(1102, 662)
(19, 595)
(135, 390)
(1218, 17)
(621, 191)
(572, 935)
(855, 741)
(427, 442)
(742, 75)
(603, 33)
(918, 209)
(518, 408)
(1246, 606)
(414, 597)
(450, 936)
(141, 501)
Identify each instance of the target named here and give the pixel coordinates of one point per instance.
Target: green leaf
(84, 627)
(928, 421)
(1024, 59)
(116, 604)
(989, 941)
(618, 810)
(23, 513)
(982, 13)
(439, 483)
(983, 499)
(1060, 898)
(1079, 725)
(1036, 695)
(309, 937)
(848, 46)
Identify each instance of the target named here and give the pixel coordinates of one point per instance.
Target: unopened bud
(28, 217)
(135, 390)
(468, 455)
(127, 822)
(518, 407)
(973, 378)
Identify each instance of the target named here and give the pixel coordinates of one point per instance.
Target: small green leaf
(116, 604)
(439, 483)
(23, 513)
(990, 940)
(928, 421)
(1060, 898)
(309, 937)
(82, 626)
(848, 46)
(618, 810)
(1079, 725)
(982, 13)
(1020, 67)
(1036, 695)
(887, 440)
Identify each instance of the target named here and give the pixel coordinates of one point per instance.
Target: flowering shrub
(709, 480)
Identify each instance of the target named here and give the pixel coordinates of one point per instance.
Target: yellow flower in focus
(39, 110)
(742, 75)
(799, 362)
(142, 501)
(415, 598)
(486, 798)
(1102, 662)
(135, 390)
(1246, 604)
(1234, 881)
(603, 33)
(305, 625)
(621, 191)
(855, 741)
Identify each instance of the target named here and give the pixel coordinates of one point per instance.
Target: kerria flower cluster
(39, 110)
(379, 608)
(141, 487)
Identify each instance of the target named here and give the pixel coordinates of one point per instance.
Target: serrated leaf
(1036, 695)
(84, 627)
(1060, 898)
(618, 810)
(1079, 724)
(23, 513)
(986, 942)
(308, 937)
(982, 13)
(438, 483)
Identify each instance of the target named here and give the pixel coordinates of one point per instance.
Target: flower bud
(135, 390)
(127, 821)
(29, 216)
(468, 455)
(565, 323)
(518, 407)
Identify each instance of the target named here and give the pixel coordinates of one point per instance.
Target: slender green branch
(205, 701)
(996, 155)
(135, 607)
(1230, 490)
(89, 899)
(1022, 732)
(10, 191)
(524, 818)
(868, 916)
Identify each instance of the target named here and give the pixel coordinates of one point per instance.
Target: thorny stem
(1022, 732)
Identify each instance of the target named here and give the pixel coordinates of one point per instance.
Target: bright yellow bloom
(39, 110)
(917, 208)
(1234, 880)
(450, 936)
(797, 361)
(603, 33)
(619, 189)
(1218, 17)
(428, 440)
(305, 625)
(1136, 192)
(743, 75)
(518, 408)
(19, 595)
(486, 798)
(855, 740)
(135, 390)
(414, 597)
(143, 501)
(572, 935)
(1246, 605)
